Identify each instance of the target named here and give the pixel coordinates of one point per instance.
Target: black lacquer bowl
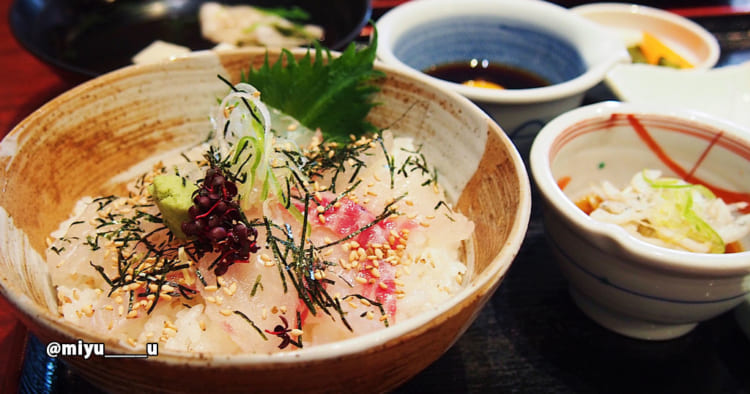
(86, 38)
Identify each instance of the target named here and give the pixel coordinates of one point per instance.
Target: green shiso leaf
(333, 94)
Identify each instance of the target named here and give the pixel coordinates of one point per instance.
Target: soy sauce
(508, 77)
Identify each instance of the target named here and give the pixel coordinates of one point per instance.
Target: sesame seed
(169, 332)
(131, 341)
(360, 279)
(352, 304)
(132, 314)
(296, 332)
(226, 312)
(211, 288)
(231, 289)
(383, 285)
(202, 325)
(88, 310)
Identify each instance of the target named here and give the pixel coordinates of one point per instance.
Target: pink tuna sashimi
(346, 217)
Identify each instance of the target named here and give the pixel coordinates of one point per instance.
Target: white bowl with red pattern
(628, 285)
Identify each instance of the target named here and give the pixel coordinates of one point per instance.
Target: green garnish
(676, 213)
(333, 94)
(292, 13)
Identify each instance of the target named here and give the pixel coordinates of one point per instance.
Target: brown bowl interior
(72, 146)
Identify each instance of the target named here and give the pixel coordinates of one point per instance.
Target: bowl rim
(399, 19)
(639, 251)
(714, 50)
(482, 285)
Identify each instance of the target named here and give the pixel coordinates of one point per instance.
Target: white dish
(683, 36)
(627, 285)
(723, 92)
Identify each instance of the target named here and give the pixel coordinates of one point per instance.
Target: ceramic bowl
(685, 37)
(572, 54)
(627, 285)
(110, 123)
(723, 92)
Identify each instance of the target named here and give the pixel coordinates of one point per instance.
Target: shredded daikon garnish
(670, 212)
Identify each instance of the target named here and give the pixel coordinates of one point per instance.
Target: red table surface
(25, 85)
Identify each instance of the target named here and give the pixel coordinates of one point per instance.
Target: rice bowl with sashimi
(137, 132)
(265, 237)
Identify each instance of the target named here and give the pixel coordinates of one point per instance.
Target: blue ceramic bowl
(496, 40)
(571, 53)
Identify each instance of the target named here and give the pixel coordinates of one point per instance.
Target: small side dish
(655, 36)
(646, 210)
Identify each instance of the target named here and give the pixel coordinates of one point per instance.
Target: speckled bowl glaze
(572, 53)
(630, 286)
(73, 146)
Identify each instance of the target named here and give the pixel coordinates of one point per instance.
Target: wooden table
(529, 338)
